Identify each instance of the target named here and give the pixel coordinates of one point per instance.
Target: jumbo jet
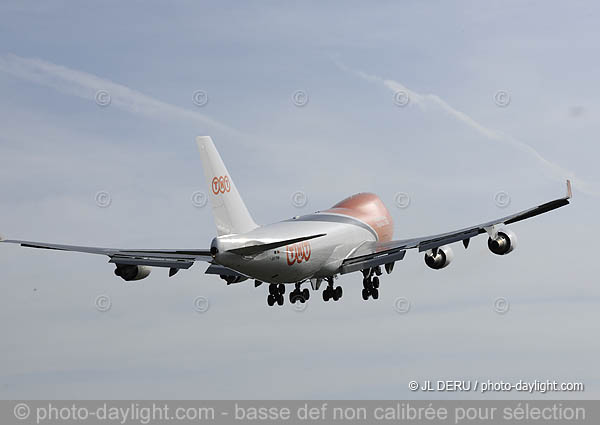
(355, 235)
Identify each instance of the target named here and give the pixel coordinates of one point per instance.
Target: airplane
(355, 235)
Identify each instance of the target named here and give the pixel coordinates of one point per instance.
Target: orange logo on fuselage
(298, 252)
(221, 185)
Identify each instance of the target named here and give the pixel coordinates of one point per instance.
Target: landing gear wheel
(299, 295)
(371, 285)
(296, 297)
(365, 294)
(375, 282)
(273, 290)
(280, 300)
(326, 295)
(366, 283)
(338, 293)
(281, 288)
(271, 300)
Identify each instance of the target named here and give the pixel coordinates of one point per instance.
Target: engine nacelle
(232, 279)
(441, 259)
(505, 242)
(131, 272)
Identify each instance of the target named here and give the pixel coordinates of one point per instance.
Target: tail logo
(221, 185)
(298, 252)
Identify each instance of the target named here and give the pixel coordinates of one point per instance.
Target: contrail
(86, 86)
(423, 100)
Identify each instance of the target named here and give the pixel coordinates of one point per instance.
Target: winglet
(569, 191)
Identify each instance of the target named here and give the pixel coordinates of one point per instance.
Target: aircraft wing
(372, 254)
(173, 259)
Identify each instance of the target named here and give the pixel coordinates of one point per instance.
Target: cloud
(423, 101)
(87, 86)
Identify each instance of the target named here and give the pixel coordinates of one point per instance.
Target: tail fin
(231, 214)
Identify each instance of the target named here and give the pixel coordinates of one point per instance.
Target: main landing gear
(330, 292)
(276, 292)
(298, 295)
(371, 283)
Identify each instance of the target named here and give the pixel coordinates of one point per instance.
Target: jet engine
(232, 279)
(439, 258)
(131, 272)
(504, 242)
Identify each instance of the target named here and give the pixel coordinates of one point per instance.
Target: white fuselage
(316, 258)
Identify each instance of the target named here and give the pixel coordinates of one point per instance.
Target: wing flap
(371, 260)
(444, 240)
(154, 262)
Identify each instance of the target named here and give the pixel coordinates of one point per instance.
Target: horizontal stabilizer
(222, 271)
(257, 249)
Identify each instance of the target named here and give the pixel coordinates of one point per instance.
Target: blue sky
(451, 149)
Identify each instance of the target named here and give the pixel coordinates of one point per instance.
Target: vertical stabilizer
(230, 212)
